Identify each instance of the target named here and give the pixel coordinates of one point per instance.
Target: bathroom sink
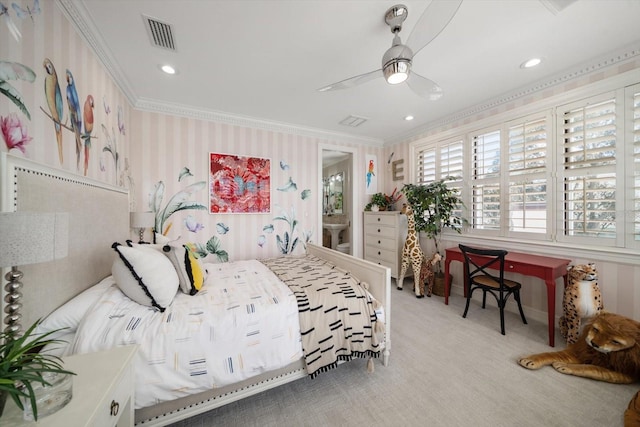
(335, 230)
(332, 227)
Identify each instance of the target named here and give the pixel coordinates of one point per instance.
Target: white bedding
(181, 349)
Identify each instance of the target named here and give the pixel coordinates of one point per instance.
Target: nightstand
(103, 390)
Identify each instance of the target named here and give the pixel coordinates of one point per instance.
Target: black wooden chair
(477, 267)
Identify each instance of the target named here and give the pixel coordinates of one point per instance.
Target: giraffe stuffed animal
(412, 253)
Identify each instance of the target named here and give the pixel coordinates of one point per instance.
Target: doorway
(337, 199)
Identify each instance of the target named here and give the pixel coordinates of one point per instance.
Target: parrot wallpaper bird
(75, 114)
(88, 128)
(370, 176)
(54, 102)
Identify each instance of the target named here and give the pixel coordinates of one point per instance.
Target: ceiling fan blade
(434, 19)
(352, 81)
(424, 87)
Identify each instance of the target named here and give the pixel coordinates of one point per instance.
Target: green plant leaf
(223, 256)
(12, 93)
(213, 245)
(21, 364)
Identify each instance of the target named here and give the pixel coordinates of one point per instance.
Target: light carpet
(444, 371)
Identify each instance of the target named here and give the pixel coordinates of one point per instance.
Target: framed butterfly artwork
(239, 184)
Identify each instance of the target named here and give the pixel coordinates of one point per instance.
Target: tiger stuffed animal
(608, 349)
(582, 299)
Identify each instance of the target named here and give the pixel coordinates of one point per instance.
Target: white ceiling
(264, 60)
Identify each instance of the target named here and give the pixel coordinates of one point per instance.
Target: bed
(101, 212)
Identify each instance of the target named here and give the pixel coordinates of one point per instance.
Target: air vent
(160, 33)
(353, 121)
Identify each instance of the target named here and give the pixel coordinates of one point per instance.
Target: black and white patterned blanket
(337, 315)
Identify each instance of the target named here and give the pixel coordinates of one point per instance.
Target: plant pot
(438, 284)
(49, 398)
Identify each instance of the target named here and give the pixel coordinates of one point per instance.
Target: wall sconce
(142, 220)
(28, 238)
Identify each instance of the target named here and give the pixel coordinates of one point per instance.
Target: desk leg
(551, 310)
(447, 281)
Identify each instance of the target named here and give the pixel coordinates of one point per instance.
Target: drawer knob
(378, 241)
(115, 408)
(511, 266)
(378, 219)
(378, 230)
(378, 252)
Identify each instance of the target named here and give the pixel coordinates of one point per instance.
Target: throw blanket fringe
(338, 320)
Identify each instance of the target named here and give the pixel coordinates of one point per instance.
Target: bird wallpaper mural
(80, 119)
(60, 106)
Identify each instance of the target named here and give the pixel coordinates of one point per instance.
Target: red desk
(544, 267)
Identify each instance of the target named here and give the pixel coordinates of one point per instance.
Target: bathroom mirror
(333, 198)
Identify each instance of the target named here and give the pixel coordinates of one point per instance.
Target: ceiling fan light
(396, 71)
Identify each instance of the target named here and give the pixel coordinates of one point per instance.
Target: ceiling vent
(160, 33)
(353, 121)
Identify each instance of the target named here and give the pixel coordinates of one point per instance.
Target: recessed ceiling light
(531, 63)
(168, 69)
(408, 118)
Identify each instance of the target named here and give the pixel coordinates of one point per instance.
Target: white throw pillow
(191, 274)
(69, 315)
(145, 275)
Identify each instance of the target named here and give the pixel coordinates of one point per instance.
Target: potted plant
(380, 200)
(22, 367)
(383, 201)
(435, 207)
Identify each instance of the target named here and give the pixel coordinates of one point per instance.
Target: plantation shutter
(635, 132)
(426, 170)
(485, 179)
(527, 169)
(589, 168)
(451, 167)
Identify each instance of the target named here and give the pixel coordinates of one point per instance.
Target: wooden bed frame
(99, 216)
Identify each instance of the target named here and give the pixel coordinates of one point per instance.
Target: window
(426, 166)
(485, 184)
(588, 169)
(569, 173)
(633, 137)
(527, 183)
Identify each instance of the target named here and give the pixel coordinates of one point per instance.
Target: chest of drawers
(384, 236)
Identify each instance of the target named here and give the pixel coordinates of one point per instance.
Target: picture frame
(239, 184)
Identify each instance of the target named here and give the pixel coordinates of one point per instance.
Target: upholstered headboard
(98, 216)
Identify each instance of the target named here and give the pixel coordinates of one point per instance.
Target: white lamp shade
(142, 219)
(32, 237)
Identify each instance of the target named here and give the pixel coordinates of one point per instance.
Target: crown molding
(617, 58)
(155, 106)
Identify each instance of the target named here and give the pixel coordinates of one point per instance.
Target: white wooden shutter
(588, 144)
(528, 175)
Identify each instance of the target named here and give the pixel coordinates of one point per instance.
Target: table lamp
(28, 238)
(141, 221)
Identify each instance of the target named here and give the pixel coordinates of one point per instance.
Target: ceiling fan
(396, 61)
